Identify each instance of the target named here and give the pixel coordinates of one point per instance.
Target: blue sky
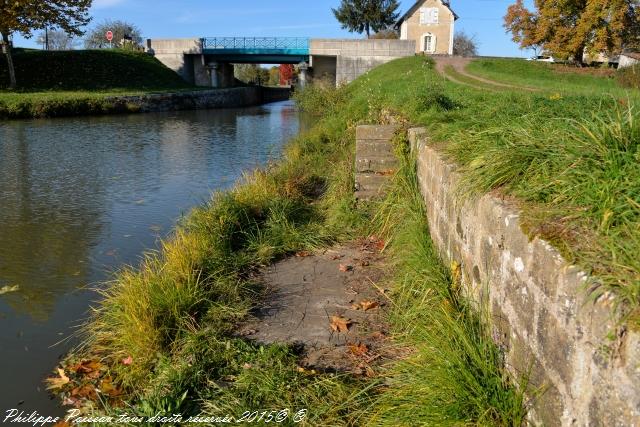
(301, 18)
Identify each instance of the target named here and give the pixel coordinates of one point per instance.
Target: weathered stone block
(577, 352)
(376, 132)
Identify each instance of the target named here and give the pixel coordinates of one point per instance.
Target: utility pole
(46, 38)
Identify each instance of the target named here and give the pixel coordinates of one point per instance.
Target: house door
(429, 43)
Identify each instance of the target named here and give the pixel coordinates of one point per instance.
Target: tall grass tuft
(454, 373)
(582, 182)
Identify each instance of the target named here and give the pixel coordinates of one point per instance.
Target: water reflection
(80, 197)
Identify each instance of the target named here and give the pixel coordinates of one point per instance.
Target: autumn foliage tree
(363, 16)
(286, 74)
(26, 16)
(569, 28)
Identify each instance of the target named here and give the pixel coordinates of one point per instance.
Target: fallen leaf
(87, 366)
(69, 401)
(380, 245)
(85, 392)
(368, 305)
(7, 289)
(303, 254)
(336, 257)
(107, 387)
(247, 366)
(344, 268)
(59, 381)
(358, 349)
(364, 263)
(127, 360)
(340, 324)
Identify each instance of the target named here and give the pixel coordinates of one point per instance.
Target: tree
(57, 40)
(362, 16)
(464, 45)
(569, 28)
(26, 16)
(386, 34)
(274, 76)
(287, 73)
(125, 34)
(251, 74)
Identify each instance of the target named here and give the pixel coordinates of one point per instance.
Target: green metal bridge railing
(256, 43)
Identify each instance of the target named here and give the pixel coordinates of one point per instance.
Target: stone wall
(204, 99)
(587, 365)
(375, 160)
(356, 57)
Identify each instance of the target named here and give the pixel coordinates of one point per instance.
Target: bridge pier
(303, 74)
(220, 74)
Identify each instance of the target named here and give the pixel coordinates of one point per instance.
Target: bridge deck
(258, 49)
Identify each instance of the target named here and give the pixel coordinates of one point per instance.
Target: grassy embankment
(569, 156)
(163, 334)
(79, 82)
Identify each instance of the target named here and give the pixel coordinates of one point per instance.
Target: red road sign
(109, 35)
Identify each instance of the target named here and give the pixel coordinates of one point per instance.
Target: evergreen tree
(364, 16)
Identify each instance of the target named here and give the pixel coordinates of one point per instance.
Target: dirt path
(459, 64)
(330, 303)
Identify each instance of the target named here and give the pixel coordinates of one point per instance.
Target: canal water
(81, 197)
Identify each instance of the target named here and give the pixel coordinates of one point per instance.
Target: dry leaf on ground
(303, 254)
(107, 387)
(127, 360)
(368, 305)
(344, 268)
(340, 324)
(358, 349)
(7, 289)
(85, 392)
(59, 381)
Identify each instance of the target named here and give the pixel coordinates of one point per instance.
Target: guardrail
(251, 43)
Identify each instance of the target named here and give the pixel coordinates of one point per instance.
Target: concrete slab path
(308, 293)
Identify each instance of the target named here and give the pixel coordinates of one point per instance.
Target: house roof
(417, 4)
(631, 54)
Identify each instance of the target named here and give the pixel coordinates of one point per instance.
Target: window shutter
(423, 15)
(434, 15)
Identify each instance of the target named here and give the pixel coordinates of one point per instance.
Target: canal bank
(82, 197)
(49, 105)
(166, 336)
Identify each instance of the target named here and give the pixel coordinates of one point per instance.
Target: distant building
(628, 59)
(430, 23)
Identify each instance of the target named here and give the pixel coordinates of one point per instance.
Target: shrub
(629, 77)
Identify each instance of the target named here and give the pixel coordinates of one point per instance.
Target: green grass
(450, 71)
(63, 83)
(570, 158)
(552, 77)
(175, 314)
(454, 373)
(88, 70)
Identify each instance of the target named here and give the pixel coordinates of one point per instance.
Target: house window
(429, 43)
(429, 15)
